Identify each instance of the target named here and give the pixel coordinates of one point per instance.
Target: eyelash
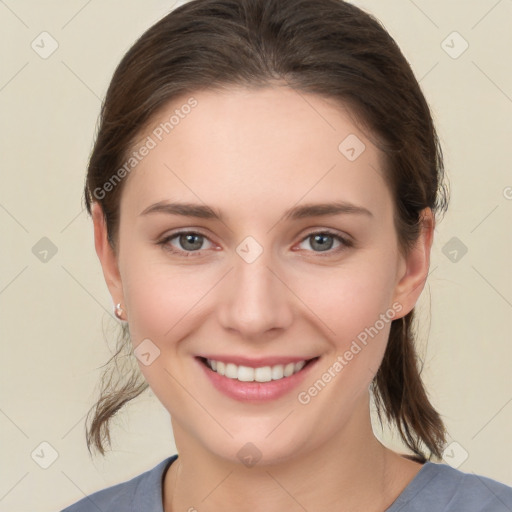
(346, 243)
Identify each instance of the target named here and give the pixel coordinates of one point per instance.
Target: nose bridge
(255, 299)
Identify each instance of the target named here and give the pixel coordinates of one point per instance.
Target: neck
(350, 471)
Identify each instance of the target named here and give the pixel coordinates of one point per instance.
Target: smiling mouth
(260, 374)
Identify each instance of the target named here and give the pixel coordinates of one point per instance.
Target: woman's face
(258, 283)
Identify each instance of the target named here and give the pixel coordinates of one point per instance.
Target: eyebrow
(295, 213)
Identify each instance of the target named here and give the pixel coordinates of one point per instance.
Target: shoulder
(441, 487)
(143, 492)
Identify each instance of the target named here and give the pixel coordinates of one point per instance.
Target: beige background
(56, 315)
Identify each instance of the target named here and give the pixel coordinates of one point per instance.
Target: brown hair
(326, 47)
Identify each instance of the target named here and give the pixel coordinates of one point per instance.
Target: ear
(107, 255)
(413, 269)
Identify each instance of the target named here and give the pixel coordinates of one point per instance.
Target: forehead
(258, 147)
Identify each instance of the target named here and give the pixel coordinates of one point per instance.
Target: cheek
(348, 299)
(163, 299)
(164, 307)
(352, 308)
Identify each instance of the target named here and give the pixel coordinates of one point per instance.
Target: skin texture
(252, 154)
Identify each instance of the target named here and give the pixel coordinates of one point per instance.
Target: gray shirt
(435, 488)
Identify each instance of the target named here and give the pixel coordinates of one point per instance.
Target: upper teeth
(248, 374)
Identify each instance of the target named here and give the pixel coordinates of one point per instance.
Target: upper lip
(256, 362)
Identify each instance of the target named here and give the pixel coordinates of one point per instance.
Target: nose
(254, 299)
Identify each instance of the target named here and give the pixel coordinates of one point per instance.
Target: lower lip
(256, 391)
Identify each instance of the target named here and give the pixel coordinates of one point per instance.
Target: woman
(264, 190)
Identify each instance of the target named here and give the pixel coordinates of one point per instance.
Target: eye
(322, 240)
(189, 243)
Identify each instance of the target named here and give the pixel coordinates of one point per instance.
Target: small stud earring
(118, 311)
